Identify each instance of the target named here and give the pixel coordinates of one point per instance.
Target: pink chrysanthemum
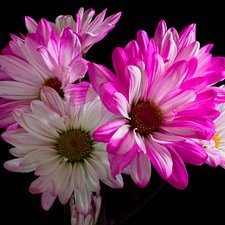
(215, 148)
(56, 141)
(42, 59)
(89, 32)
(163, 107)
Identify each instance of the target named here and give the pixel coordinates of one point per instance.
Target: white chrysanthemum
(56, 141)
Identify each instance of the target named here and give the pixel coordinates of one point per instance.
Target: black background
(202, 200)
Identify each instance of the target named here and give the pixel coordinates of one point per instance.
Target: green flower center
(146, 117)
(55, 84)
(74, 145)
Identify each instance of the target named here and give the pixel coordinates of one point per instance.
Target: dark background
(202, 200)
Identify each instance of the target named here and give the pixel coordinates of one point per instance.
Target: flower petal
(13, 165)
(16, 90)
(78, 176)
(99, 74)
(106, 131)
(122, 141)
(179, 176)
(140, 169)
(60, 178)
(47, 200)
(160, 158)
(119, 162)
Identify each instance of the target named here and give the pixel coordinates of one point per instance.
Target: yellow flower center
(74, 145)
(55, 84)
(216, 139)
(146, 117)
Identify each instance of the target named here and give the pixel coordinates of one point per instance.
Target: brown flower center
(55, 84)
(74, 145)
(146, 117)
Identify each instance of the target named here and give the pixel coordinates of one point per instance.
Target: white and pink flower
(88, 32)
(55, 140)
(215, 148)
(163, 106)
(41, 59)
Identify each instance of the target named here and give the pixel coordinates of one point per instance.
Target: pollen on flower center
(216, 139)
(146, 117)
(74, 145)
(55, 84)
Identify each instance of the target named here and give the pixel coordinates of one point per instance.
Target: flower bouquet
(86, 130)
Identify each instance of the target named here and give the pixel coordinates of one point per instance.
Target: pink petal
(13, 166)
(119, 162)
(78, 94)
(51, 63)
(155, 69)
(218, 61)
(113, 183)
(134, 84)
(160, 158)
(16, 90)
(34, 57)
(140, 169)
(47, 200)
(120, 58)
(188, 52)
(177, 102)
(106, 91)
(170, 81)
(70, 47)
(21, 71)
(31, 24)
(113, 19)
(193, 127)
(43, 32)
(122, 141)
(179, 176)
(213, 160)
(196, 154)
(187, 36)
(166, 138)
(97, 21)
(77, 69)
(214, 75)
(159, 33)
(41, 184)
(133, 49)
(143, 41)
(122, 104)
(52, 100)
(99, 74)
(105, 132)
